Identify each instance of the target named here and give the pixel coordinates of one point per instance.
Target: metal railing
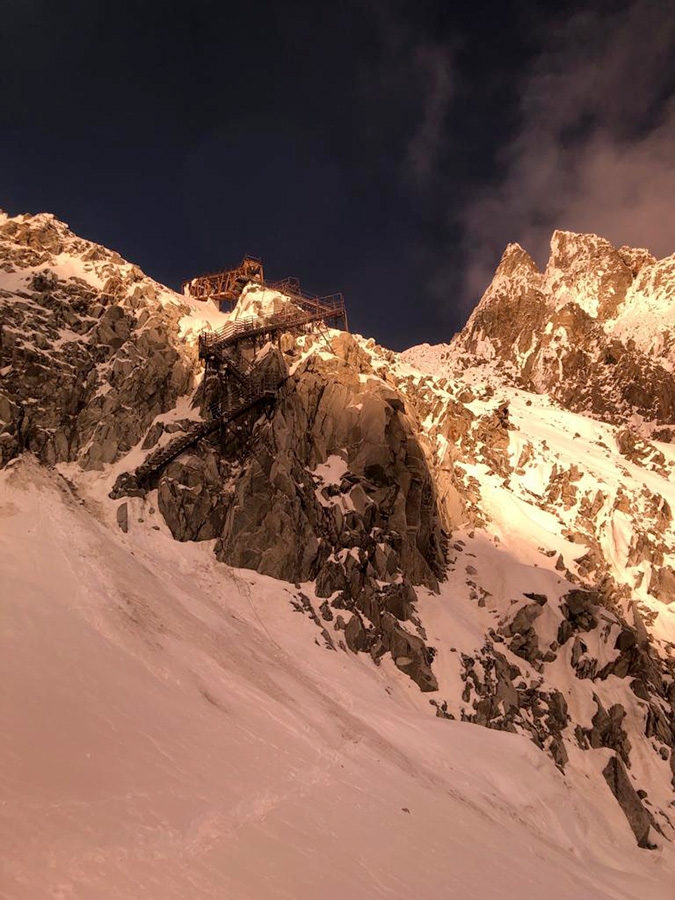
(221, 413)
(250, 326)
(290, 287)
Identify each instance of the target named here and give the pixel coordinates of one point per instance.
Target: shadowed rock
(639, 819)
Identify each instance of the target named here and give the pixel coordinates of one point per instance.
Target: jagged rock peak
(566, 246)
(600, 316)
(516, 261)
(636, 258)
(587, 270)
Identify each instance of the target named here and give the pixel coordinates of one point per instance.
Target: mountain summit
(594, 329)
(290, 614)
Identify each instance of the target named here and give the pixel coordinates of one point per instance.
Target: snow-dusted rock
(492, 520)
(594, 329)
(88, 347)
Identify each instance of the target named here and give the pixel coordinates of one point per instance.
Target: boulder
(123, 517)
(662, 584)
(522, 621)
(580, 602)
(639, 819)
(399, 600)
(409, 653)
(330, 578)
(356, 635)
(607, 729)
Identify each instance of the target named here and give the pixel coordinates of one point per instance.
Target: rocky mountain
(88, 347)
(593, 330)
(486, 526)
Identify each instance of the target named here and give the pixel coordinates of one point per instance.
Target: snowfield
(172, 729)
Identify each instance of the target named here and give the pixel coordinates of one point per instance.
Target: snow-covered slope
(173, 729)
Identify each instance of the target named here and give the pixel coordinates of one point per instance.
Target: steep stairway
(222, 352)
(221, 415)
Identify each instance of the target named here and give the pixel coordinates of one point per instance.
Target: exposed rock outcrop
(639, 819)
(86, 361)
(592, 330)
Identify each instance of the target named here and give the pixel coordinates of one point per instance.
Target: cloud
(408, 85)
(435, 65)
(595, 149)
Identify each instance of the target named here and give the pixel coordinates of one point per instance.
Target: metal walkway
(251, 327)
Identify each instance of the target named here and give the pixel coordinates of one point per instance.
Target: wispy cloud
(409, 89)
(595, 150)
(435, 66)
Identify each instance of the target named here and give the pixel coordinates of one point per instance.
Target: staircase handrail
(249, 390)
(177, 445)
(291, 288)
(251, 324)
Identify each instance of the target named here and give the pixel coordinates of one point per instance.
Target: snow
(647, 315)
(558, 439)
(332, 470)
(427, 357)
(255, 301)
(172, 729)
(175, 728)
(260, 302)
(203, 316)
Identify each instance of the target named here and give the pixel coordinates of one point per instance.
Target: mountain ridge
(477, 530)
(594, 330)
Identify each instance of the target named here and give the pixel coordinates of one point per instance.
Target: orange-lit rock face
(90, 349)
(594, 329)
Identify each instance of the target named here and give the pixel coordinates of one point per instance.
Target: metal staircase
(246, 390)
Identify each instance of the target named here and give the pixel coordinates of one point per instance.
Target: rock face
(87, 360)
(594, 330)
(192, 500)
(333, 486)
(638, 817)
(284, 503)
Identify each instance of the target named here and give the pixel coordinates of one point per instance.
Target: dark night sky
(386, 149)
